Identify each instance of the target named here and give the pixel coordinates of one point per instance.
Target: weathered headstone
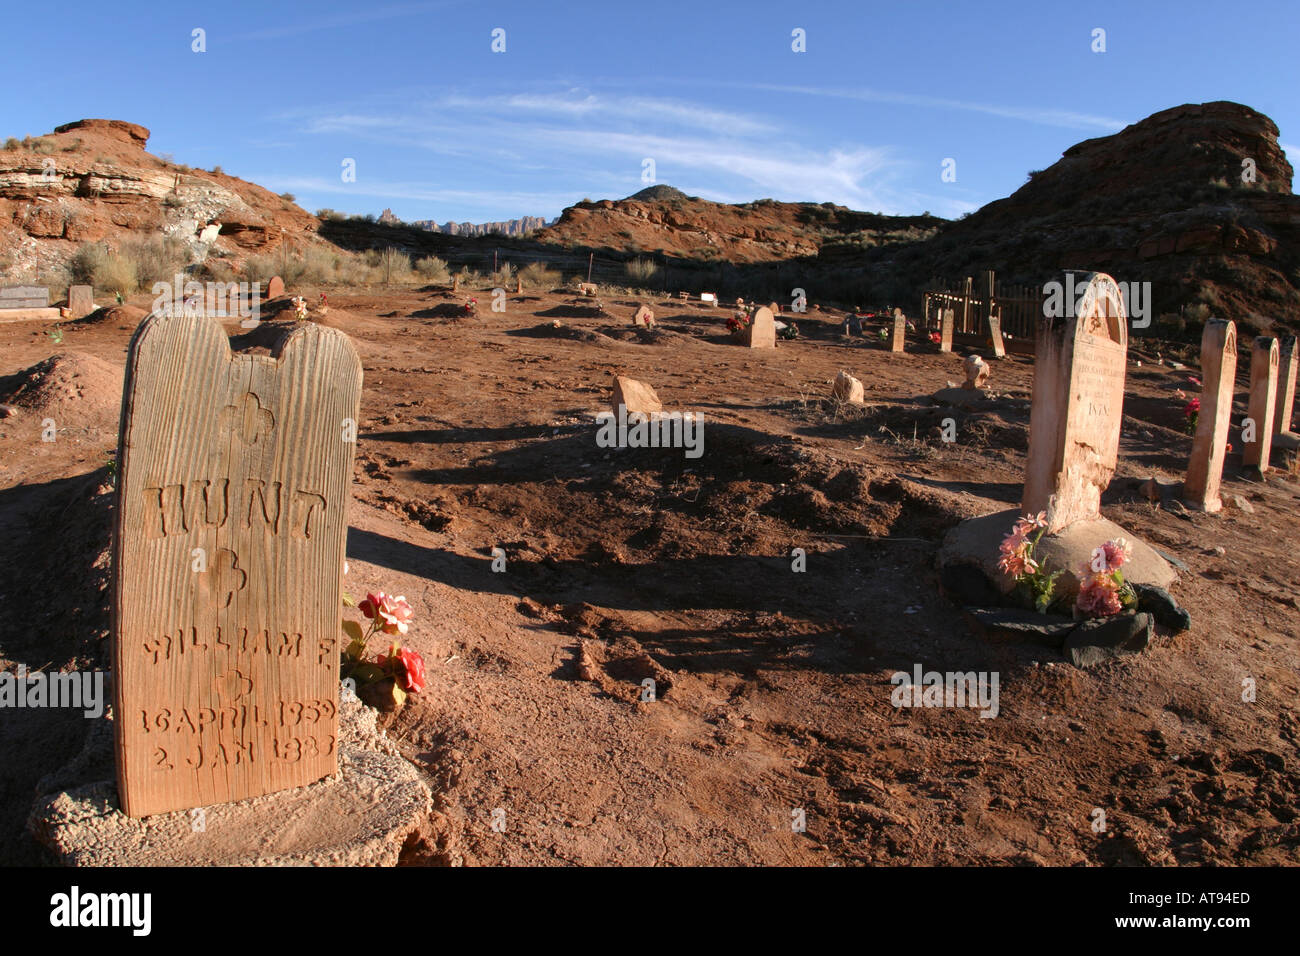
(81, 301)
(846, 388)
(900, 331)
(636, 397)
(229, 542)
(1218, 374)
(24, 297)
(995, 333)
(275, 288)
(709, 297)
(1286, 376)
(1263, 399)
(946, 319)
(761, 333)
(1077, 406)
(644, 317)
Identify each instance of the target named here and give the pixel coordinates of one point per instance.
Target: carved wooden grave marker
(900, 331)
(995, 334)
(1263, 398)
(946, 320)
(1286, 387)
(1218, 374)
(236, 474)
(1078, 401)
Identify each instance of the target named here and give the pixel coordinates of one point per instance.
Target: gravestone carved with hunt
(235, 478)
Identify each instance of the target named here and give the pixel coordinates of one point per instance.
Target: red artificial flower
(406, 666)
(936, 338)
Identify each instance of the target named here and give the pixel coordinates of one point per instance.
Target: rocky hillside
(93, 180)
(1164, 201)
(509, 227)
(664, 220)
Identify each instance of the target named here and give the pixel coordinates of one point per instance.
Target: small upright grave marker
(995, 334)
(275, 288)
(81, 301)
(1078, 402)
(900, 331)
(761, 333)
(1287, 366)
(1263, 399)
(946, 319)
(228, 555)
(1218, 373)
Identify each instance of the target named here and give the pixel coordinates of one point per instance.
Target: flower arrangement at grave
(299, 308)
(387, 679)
(738, 323)
(1103, 592)
(1035, 585)
(471, 306)
(1191, 413)
(936, 338)
(790, 332)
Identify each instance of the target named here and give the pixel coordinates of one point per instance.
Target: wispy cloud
(318, 22)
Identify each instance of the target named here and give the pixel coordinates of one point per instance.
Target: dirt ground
(621, 564)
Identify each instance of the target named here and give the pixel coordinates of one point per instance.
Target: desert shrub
(504, 276)
(332, 215)
(217, 170)
(394, 264)
(43, 147)
(538, 276)
(217, 270)
(11, 144)
(288, 197)
(73, 146)
(432, 269)
(157, 259)
(172, 201)
(1197, 313)
(353, 271)
(259, 268)
(640, 270)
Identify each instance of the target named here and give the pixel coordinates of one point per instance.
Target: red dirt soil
(773, 686)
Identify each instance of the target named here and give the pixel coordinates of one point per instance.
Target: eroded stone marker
(995, 334)
(946, 319)
(1263, 399)
(81, 301)
(900, 331)
(1218, 374)
(228, 554)
(761, 333)
(1078, 401)
(1287, 366)
(275, 288)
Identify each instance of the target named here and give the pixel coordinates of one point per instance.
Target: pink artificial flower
(394, 612)
(1099, 596)
(1016, 564)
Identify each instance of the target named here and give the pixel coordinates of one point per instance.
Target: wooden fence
(973, 300)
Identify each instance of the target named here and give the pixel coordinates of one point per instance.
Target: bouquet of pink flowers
(1103, 590)
(387, 679)
(1033, 580)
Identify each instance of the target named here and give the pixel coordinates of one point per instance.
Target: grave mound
(128, 315)
(74, 385)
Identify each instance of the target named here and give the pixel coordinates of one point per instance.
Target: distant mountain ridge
(509, 227)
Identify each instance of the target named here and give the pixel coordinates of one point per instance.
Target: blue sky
(441, 127)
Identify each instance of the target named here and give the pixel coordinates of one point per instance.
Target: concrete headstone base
(360, 817)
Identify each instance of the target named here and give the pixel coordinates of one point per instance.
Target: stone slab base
(360, 817)
(975, 541)
(23, 315)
